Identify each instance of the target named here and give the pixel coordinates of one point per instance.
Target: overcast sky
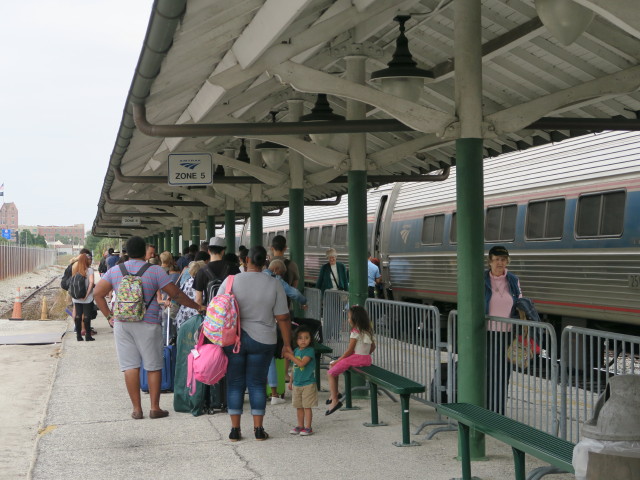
(66, 70)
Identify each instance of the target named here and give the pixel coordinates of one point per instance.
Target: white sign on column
(190, 169)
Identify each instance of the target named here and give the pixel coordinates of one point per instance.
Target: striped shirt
(153, 279)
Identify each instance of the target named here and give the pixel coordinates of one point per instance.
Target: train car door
(380, 237)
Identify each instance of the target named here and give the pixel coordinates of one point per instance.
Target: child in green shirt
(305, 393)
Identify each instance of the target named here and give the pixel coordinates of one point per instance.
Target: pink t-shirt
(501, 302)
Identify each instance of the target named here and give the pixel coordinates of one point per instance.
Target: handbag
(520, 352)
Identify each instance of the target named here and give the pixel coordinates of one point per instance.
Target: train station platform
(86, 431)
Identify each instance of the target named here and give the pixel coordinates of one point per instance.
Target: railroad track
(32, 302)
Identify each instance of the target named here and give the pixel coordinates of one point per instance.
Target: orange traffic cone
(44, 312)
(17, 307)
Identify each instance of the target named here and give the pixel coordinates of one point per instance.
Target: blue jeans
(248, 369)
(272, 376)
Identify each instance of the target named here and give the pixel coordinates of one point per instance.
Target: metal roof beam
(520, 116)
(265, 28)
(624, 14)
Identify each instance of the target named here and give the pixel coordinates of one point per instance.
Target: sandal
(261, 435)
(137, 415)
(235, 434)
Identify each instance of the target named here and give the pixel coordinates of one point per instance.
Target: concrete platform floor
(66, 415)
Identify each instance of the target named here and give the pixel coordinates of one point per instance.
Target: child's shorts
(305, 397)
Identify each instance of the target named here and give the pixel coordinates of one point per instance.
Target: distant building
(75, 232)
(9, 217)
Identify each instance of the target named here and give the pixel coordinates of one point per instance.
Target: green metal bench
(320, 350)
(522, 438)
(392, 382)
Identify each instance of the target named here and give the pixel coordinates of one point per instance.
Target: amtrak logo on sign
(190, 169)
(189, 165)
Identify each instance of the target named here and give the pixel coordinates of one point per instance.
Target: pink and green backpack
(222, 323)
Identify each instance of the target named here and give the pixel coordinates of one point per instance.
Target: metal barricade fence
(408, 342)
(521, 371)
(588, 358)
(314, 303)
(15, 260)
(335, 326)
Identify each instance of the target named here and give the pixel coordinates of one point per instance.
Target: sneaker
(260, 433)
(306, 432)
(234, 436)
(277, 401)
(296, 430)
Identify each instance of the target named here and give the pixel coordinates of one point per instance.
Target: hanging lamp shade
(273, 154)
(402, 77)
(565, 19)
(243, 156)
(322, 112)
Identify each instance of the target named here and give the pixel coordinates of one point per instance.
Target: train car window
(432, 229)
(286, 234)
(265, 240)
(341, 235)
(280, 232)
(500, 224)
(270, 238)
(453, 233)
(600, 215)
(545, 219)
(325, 236)
(306, 236)
(314, 232)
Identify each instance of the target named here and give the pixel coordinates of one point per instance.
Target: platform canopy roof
(221, 62)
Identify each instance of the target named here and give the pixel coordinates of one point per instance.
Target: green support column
(195, 232)
(211, 227)
(154, 240)
(357, 237)
(256, 224)
(167, 240)
(296, 231)
(161, 242)
(230, 230)
(471, 321)
(175, 239)
(296, 235)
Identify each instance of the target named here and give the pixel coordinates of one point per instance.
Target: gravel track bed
(27, 283)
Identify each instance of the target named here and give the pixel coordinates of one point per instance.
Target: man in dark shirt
(279, 246)
(112, 259)
(215, 269)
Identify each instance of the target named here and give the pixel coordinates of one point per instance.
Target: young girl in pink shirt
(358, 354)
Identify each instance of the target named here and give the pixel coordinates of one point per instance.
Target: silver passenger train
(568, 214)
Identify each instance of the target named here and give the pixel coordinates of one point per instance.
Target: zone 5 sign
(190, 169)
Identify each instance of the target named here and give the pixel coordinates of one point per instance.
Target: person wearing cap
(501, 291)
(217, 268)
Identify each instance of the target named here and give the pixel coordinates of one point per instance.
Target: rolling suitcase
(168, 364)
(215, 397)
(182, 401)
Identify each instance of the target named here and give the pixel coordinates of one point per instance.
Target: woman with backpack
(263, 307)
(82, 272)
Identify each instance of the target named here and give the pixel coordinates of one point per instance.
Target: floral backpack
(222, 323)
(130, 305)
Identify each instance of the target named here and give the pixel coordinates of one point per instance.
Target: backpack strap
(123, 269)
(143, 269)
(227, 290)
(229, 284)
